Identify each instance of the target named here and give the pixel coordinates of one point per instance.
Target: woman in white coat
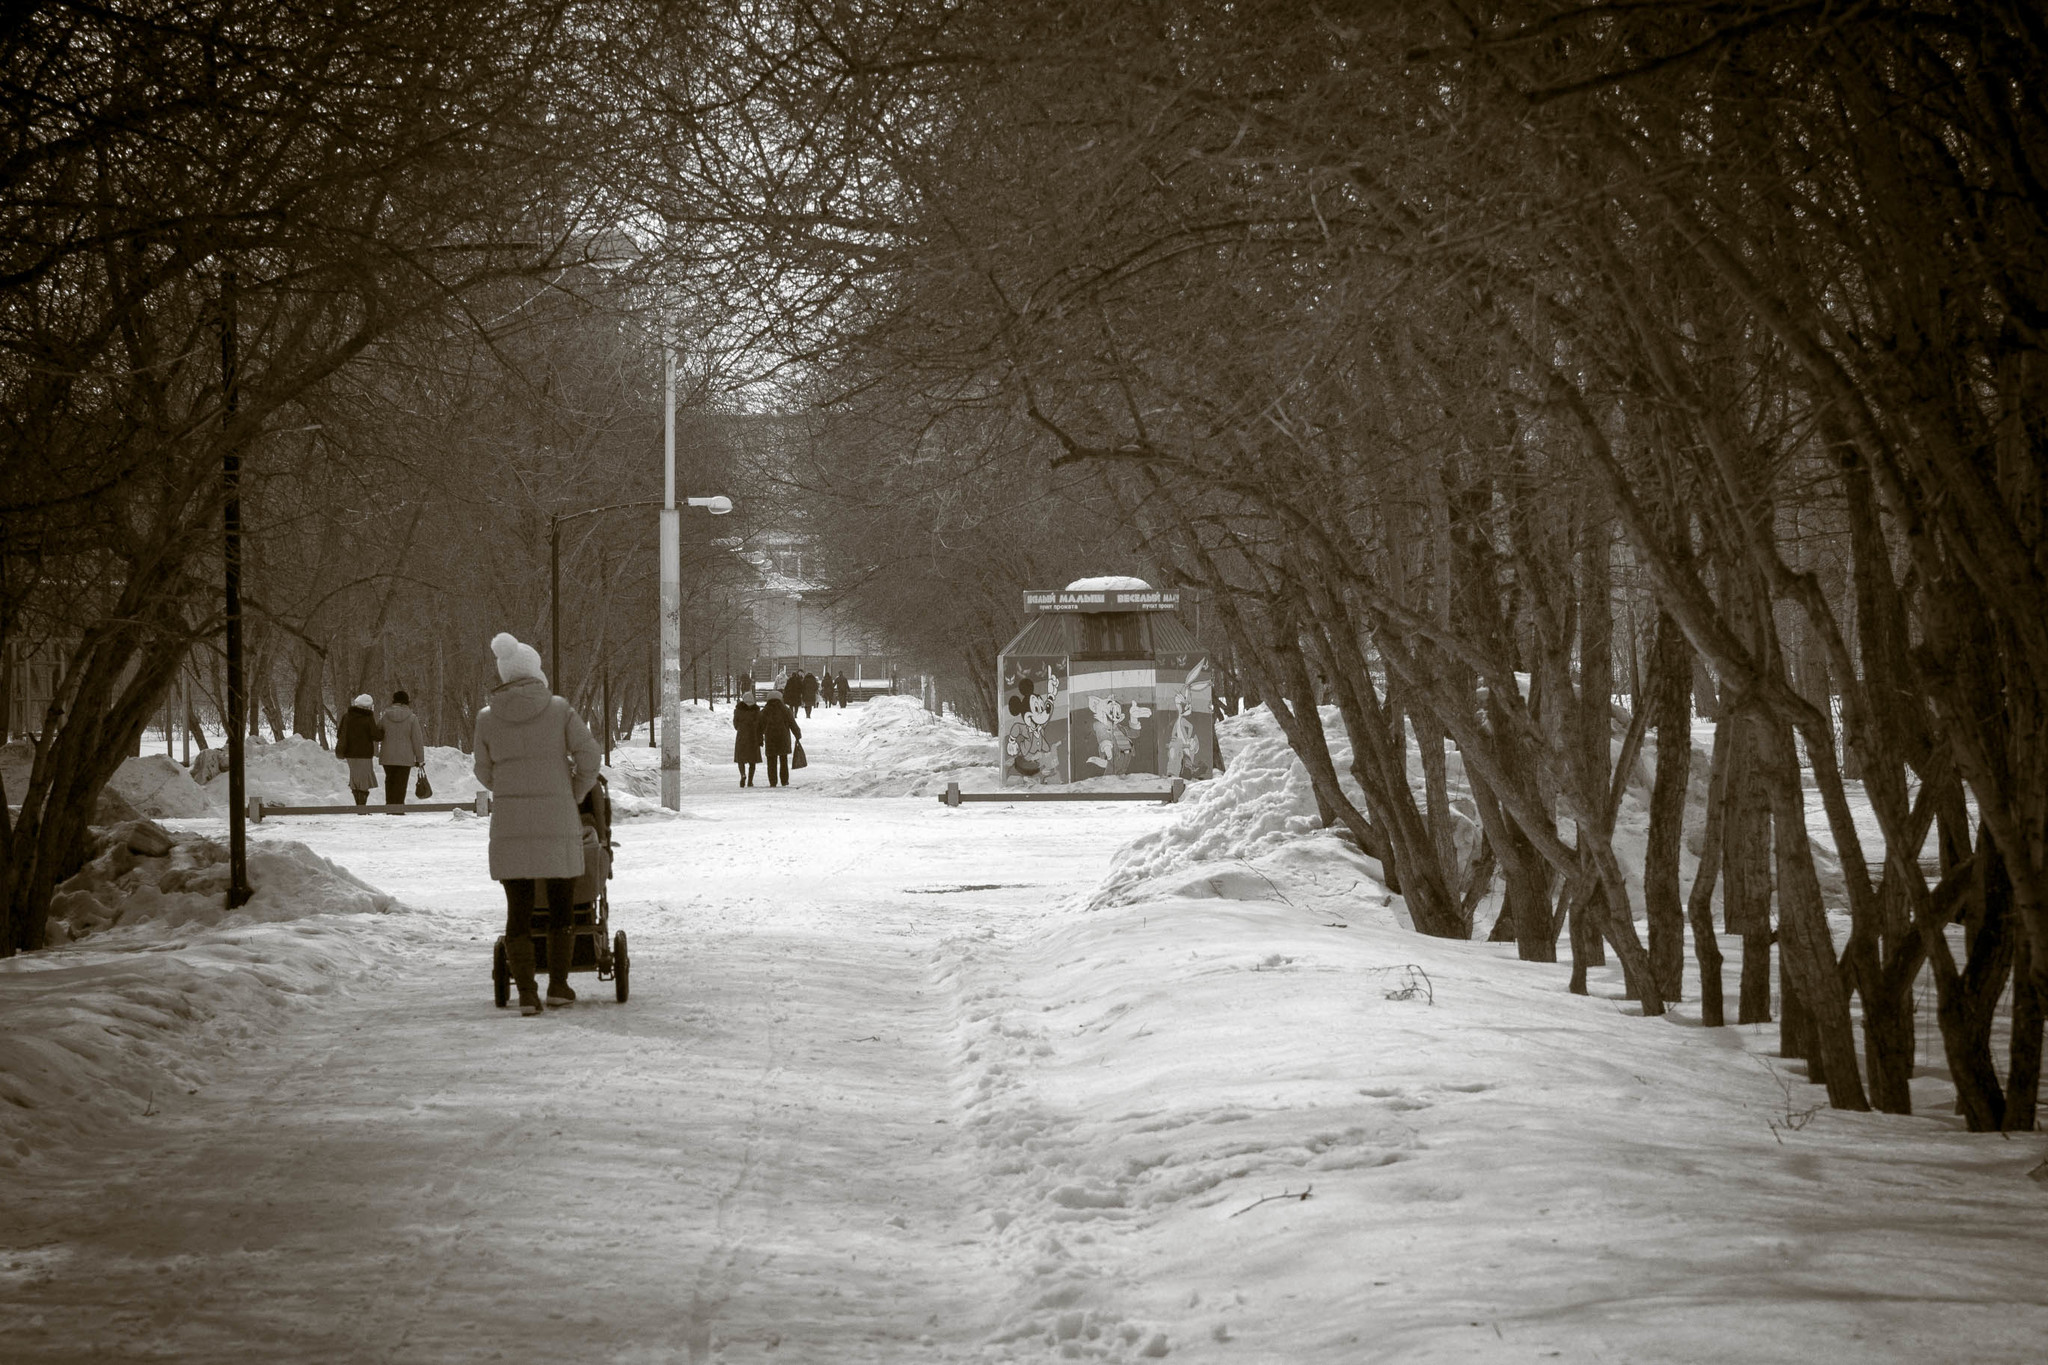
(538, 759)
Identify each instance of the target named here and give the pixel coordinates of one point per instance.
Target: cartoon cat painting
(1116, 725)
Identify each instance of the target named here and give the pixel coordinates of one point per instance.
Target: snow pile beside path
(451, 771)
(705, 737)
(158, 786)
(122, 1026)
(901, 749)
(1260, 804)
(1268, 1116)
(145, 876)
(17, 760)
(291, 772)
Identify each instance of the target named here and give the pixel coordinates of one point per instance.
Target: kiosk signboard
(1102, 599)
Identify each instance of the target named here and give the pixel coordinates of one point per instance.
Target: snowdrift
(299, 772)
(1229, 1107)
(900, 749)
(159, 787)
(146, 876)
(150, 978)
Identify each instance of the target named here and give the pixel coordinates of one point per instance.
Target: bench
(258, 811)
(954, 796)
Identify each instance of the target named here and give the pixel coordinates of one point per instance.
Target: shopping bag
(422, 789)
(796, 757)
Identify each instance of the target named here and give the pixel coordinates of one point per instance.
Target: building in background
(798, 622)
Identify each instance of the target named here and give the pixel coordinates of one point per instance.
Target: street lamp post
(672, 590)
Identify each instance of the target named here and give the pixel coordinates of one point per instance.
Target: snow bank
(152, 977)
(145, 876)
(900, 749)
(291, 772)
(158, 786)
(1253, 1109)
(1257, 805)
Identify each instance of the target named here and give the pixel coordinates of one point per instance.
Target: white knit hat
(514, 659)
(365, 702)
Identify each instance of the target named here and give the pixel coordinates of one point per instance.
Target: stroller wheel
(501, 975)
(619, 964)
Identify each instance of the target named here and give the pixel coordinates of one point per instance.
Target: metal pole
(671, 597)
(604, 579)
(555, 598)
(231, 518)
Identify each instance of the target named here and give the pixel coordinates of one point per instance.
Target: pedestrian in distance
(778, 730)
(537, 758)
(746, 740)
(793, 691)
(845, 692)
(402, 745)
(355, 742)
(810, 692)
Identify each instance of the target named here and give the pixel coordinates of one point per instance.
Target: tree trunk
(1699, 905)
(306, 693)
(1746, 860)
(1807, 949)
(1670, 671)
(2023, 1075)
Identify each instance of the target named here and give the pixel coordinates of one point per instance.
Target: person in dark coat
(793, 690)
(746, 742)
(845, 692)
(778, 729)
(810, 693)
(355, 741)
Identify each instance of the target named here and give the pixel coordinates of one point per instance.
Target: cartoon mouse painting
(1026, 750)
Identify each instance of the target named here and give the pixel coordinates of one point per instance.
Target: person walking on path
(746, 741)
(810, 693)
(536, 757)
(778, 728)
(355, 741)
(402, 745)
(845, 692)
(793, 691)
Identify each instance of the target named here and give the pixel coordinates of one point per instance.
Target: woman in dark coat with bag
(355, 742)
(778, 729)
(536, 756)
(746, 740)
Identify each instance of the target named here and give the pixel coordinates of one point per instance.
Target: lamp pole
(555, 598)
(671, 595)
(231, 524)
(672, 588)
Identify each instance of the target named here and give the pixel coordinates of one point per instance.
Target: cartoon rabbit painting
(1182, 744)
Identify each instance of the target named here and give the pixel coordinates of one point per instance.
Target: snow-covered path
(889, 1089)
(758, 1153)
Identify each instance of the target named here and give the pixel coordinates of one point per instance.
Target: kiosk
(1104, 681)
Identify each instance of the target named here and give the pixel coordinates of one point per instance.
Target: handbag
(422, 789)
(796, 757)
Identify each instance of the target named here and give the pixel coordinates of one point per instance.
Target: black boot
(560, 944)
(519, 956)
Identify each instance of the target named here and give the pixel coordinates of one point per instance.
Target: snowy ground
(905, 1083)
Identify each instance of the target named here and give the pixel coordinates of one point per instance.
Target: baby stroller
(592, 945)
